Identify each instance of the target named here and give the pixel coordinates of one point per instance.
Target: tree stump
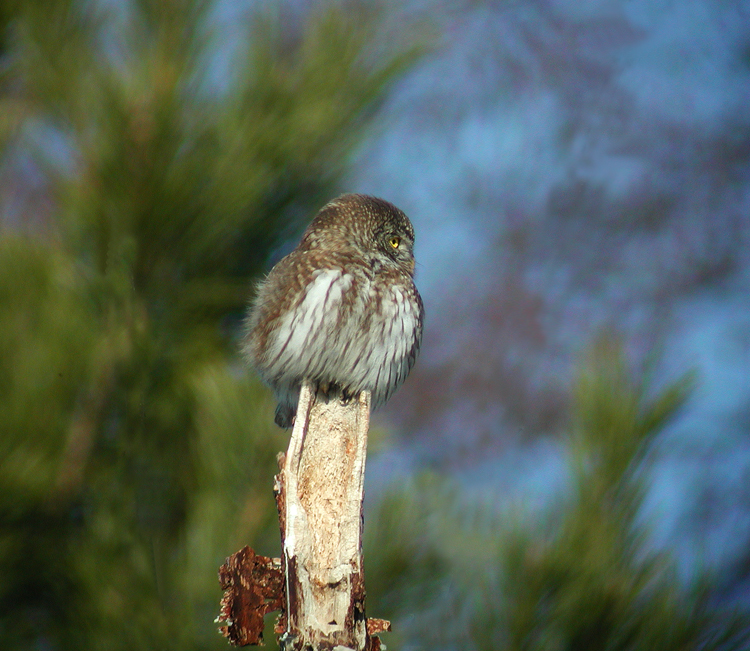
(319, 493)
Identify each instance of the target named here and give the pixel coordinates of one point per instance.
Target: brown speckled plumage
(341, 309)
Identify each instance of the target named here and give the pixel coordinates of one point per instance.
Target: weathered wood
(318, 584)
(323, 489)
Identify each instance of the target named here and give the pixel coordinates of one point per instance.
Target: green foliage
(589, 580)
(44, 357)
(134, 457)
(409, 567)
(580, 576)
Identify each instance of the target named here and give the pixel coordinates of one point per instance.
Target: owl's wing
(298, 348)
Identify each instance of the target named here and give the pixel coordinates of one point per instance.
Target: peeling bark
(253, 586)
(318, 584)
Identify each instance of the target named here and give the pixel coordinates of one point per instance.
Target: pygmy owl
(341, 310)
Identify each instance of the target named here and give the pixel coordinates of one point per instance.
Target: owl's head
(372, 227)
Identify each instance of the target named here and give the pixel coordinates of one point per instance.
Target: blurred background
(568, 466)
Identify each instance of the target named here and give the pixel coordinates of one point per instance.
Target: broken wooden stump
(319, 493)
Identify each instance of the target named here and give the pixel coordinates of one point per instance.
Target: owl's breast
(353, 329)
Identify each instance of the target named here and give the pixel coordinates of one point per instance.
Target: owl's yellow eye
(395, 241)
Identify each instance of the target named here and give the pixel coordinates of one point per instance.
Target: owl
(341, 310)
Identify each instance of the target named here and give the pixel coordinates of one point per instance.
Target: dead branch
(319, 493)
